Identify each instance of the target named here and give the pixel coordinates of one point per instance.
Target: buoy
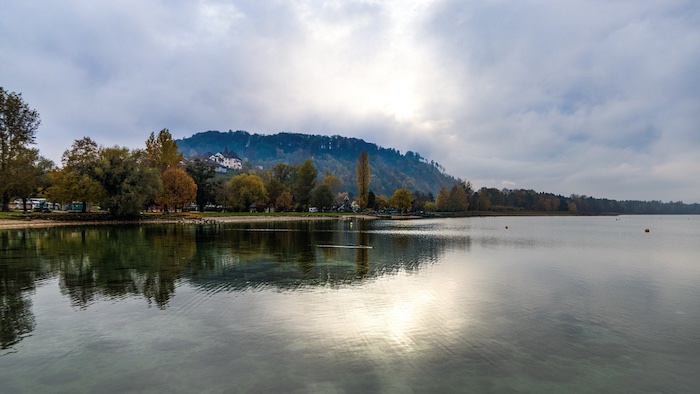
(646, 230)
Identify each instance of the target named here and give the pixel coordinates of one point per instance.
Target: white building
(227, 160)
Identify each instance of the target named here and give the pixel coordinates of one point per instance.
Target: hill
(389, 168)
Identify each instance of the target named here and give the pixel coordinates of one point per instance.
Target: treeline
(527, 200)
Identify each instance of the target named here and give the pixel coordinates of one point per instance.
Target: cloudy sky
(590, 97)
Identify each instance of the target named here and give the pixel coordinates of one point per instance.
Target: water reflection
(17, 284)
(95, 263)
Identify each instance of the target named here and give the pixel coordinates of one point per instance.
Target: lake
(499, 304)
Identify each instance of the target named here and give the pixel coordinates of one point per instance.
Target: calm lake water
(515, 304)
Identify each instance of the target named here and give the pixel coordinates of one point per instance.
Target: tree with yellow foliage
(179, 188)
(402, 200)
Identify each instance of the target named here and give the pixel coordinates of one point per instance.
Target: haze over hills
(390, 169)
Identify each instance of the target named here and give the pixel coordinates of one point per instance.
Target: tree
(304, 183)
(362, 171)
(322, 197)
(333, 182)
(128, 183)
(441, 203)
(69, 186)
(202, 174)
(419, 200)
(76, 181)
(274, 187)
(457, 200)
(284, 201)
(482, 200)
(29, 175)
(18, 125)
(381, 202)
(401, 200)
(178, 188)
(285, 174)
(82, 157)
(372, 200)
(161, 151)
(244, 190)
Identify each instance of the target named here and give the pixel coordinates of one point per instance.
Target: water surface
(551, 304)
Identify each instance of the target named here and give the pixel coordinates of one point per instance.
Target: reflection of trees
(362, 254)
(285, 254)
(92, 263)
(120, 261)
(17, 277)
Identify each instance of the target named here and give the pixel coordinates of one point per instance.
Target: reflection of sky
(555, 286)
(394, 314)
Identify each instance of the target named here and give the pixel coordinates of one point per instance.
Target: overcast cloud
(572, 97)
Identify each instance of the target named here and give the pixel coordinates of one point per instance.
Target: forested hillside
(390, 169)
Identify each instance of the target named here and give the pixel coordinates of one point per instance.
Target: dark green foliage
(304, 183)
(338, 155)
(371, 200)
(128, 183)
(203, 174)
(322, 197)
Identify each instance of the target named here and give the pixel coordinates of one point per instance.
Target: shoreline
(6, 224)
(10, 224)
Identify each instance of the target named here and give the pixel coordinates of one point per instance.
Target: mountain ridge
(390, 169)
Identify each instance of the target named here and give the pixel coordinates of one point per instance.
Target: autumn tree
(304, 183)
(178, 188)
(244, 190)
(441, 203)
(18, 125)
(402, 200)
(363, 176)
(381, 202)
(483, 203)
(333, 182)
(457, 200)
(161, 151)
(284, 201)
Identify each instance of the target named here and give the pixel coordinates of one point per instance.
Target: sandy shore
(18, 224)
